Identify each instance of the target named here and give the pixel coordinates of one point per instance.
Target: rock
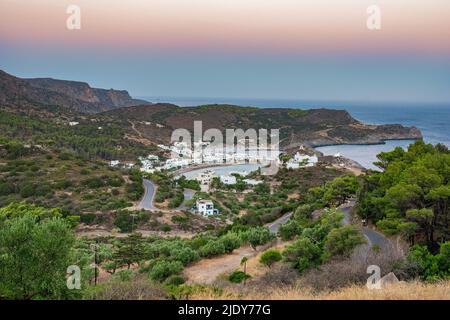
(389, 280)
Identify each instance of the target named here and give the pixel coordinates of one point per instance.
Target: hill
(72, 95)
(314, 127)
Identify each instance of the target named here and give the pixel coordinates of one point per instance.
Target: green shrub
(238, 276)
(303, 254)
(230, 241)
(87, 218)
(342, 241)
(163, 269)
(212, 248)
(27, 190)
(258, 236)
(6, 188)
(123, 221)
(289, 230)
(269, 257)
(174, 280)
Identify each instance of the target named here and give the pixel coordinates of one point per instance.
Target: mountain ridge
(74, 95)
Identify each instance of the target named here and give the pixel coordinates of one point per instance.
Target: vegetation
(411, 196)
(30, 237)
(269, 257)
(238, 276)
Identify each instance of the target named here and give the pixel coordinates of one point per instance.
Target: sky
(286, 49)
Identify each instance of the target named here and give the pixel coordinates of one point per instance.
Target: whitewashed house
(228, 179)
(114, 163)
(205, 179)
(301, 161)
(252, 182)
(206, 207)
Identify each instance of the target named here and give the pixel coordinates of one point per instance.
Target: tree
(258, 236)
(163, 269)
(342, 241)
(230, 241)
(269, 257)
(339, 190)
(289, 230)
(411, 195)
(34, 256)
(303, 254)
(244, 263)
(129, 250)
(212, 248)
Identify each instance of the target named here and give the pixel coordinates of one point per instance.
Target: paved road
(373, 237)
(274, 226)
(188, 195)
(147, 201)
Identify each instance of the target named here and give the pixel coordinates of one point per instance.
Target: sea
(433, 119)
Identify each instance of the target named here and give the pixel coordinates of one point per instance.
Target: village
(226, 166)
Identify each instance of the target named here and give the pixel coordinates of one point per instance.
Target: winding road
(274, 226)
(147, 201)
(373, 237)
(188, 195)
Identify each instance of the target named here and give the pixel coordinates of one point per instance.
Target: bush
(6, 188)
(230, 241)
(342, 241)
(238, 276)
(174, 280)
(289, 230)
(303, 254)
(185, 255)
(87, 218)
(269, 257)
(163, 269)
(123, 221)
(258, 236)
(93, 183)
(431, 267)
(212, 248)
(27, 190)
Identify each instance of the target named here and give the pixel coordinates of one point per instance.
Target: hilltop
(313, 127)
(139, 122)
(72, 95)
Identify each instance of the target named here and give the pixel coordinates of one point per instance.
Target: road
(188, 195)
(373, 237)
(274, 226)
(147, 201)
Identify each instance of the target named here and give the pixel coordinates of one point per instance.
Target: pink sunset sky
(233, 25)
(317, 49)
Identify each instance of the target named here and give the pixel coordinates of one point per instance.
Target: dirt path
(206, 271)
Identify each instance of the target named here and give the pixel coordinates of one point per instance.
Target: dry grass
(402, 291)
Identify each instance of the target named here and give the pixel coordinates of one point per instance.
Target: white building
(73, 123)
(228, 179)
(301, 161)
(252, 182)
(114, 163)
(175, 163)
(205, 179)
(206, 207)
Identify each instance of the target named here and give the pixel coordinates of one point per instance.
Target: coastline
(381, 142)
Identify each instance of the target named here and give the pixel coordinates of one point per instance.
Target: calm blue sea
(432, 119)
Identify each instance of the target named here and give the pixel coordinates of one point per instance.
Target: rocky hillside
(74, 95)
(154, 123)
(313, 127)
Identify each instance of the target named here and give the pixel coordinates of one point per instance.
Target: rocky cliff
(74, 95)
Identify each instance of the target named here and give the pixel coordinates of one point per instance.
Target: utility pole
(94, 247)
